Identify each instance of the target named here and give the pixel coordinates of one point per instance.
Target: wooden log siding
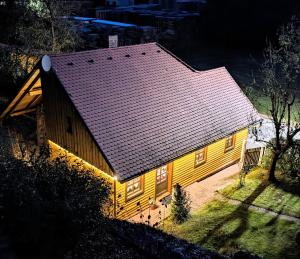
(184, 173)
(57, 108)
(126, 209)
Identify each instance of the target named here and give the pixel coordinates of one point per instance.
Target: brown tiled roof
(144, 107)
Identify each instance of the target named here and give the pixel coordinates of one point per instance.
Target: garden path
(256, 208)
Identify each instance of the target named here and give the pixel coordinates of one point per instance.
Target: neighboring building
(114, 3)
(96, 32)
(174, 28)
(142, 117)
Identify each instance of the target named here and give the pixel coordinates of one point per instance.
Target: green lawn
(228, 228)
(259, 192)
(263, 105)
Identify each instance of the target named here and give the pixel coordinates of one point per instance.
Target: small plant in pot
(153, 204)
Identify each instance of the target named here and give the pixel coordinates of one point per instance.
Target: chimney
(113, 41)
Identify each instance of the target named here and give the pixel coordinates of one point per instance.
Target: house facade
(139, 116)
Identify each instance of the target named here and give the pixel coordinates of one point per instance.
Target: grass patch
(227, 228)
(259, 192)
(263, 104)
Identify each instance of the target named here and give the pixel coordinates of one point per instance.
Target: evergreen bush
(180, 205)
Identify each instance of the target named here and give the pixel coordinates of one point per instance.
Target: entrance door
(162, 180)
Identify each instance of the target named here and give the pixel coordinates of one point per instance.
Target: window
(229, 143)
(134, 187)
(200, 156)
(161, 180)
(69, 125)
(161, 174)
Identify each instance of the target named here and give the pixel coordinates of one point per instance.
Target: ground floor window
(229, 143)
(161, 180)
(134, 187)
(200, 156)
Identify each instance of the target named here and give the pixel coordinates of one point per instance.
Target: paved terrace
(200, 193)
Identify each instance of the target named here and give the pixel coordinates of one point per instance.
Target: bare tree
(40, 26)
(51, 31)
(280, 74)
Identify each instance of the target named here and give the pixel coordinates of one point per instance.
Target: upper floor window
(200, 156)
(134, 187)
(229, 143)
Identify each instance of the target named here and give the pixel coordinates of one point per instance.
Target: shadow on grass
(292, 187)
(236, 215)
(288, 182)
(274, 219)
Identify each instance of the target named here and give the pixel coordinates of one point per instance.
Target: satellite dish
(46, 63)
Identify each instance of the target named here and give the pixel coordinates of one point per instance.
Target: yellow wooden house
(138, 115)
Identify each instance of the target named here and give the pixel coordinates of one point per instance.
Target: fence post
(261, 154)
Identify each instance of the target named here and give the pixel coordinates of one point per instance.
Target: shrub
(49, 208)
(290, 161)
(180, 205)
(298, 238)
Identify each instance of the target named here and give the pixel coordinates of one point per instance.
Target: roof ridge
(99, 49)
(177, 58)
(143, 44)
(186, 64)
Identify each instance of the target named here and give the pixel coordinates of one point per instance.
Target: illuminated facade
(139, 116)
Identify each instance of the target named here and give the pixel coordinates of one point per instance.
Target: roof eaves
(8, 109)
(245, 96)
(147, 170)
